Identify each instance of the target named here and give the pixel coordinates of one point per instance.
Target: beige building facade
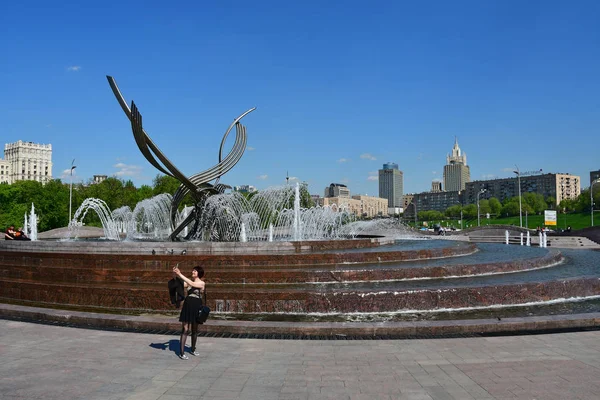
(29, 161)
(359, 205)
(5, 172)
(456, 171)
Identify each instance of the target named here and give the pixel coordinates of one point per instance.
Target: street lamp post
(478, 194)
(73, 166)
(461, 215)
(592, 198)
(518, 172)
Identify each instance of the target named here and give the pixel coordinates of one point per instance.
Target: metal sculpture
(197, 185)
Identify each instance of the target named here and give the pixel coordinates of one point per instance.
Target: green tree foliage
(510, 208)
(470, 211)
(305, 200)
(430, 215)
(495, 206)
(484, 207)
(535, 201)
(164, 184)
(453, 211)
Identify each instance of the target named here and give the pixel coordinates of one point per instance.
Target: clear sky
(340, 86)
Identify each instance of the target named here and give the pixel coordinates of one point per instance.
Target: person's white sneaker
(184, 357)
(195, 353)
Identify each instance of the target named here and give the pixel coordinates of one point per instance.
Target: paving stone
(86, 364)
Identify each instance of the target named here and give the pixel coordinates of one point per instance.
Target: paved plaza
(51, 362)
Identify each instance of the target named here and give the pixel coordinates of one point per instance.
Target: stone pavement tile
(171, 375)
(477, 391)
(178, 390)
(260, 392)
(219, 394)
(228, 384)
(419, 395)
(293, 396)
(149, 395)
(438, 392)
(266, 380)
(335, 396)
(372, 396)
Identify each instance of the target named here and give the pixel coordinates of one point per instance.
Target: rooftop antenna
(287, 178)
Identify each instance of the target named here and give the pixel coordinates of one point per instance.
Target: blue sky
(340, 87)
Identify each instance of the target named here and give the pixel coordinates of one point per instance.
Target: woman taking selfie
(191, 308)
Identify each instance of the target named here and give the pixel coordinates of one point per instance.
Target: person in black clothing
(20, 235)
(10, 233)
(191, 308)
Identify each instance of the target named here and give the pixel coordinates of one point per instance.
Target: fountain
(269, 259)
(109, 226)
(33, 233)
(227, 217)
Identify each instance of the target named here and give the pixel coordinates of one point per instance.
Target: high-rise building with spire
(456, 170)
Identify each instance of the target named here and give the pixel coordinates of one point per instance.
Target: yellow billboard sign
(550, 217)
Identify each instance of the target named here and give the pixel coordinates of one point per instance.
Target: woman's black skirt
(190, 309)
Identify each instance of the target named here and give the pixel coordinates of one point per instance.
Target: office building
(29, 161)
(594, 175)
(456, 171)
(391, 184)
(5, 172)
(558, 186)
(436, 186)
(432, 201)
(359, 205)
(337, 190)
(244, 189)
(99, 179)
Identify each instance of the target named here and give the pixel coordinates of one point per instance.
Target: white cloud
(368, 156)
(74, 68)
(508, 169)
(263, 177)
(434, 172)
(373, 176)
(127, 170)
(345, 180)
(66, 174)
(343, 160)
(488, 176)
(48, 125)
(249, 148)
(293, 178)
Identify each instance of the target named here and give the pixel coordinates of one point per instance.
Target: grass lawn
(576, 221)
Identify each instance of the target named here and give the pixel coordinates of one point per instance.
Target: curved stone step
(159, 273)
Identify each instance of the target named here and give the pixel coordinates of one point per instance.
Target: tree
(165, 184)
(470, 211)
(566, 205)
(535, 201)
(510, 208)
(453, 211)
(495, 206)
(484, 207)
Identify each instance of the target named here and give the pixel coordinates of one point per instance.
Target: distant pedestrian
(10, 233)
(191, 307)
(20, 235)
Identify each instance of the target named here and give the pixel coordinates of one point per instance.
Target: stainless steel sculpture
(197, 185)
